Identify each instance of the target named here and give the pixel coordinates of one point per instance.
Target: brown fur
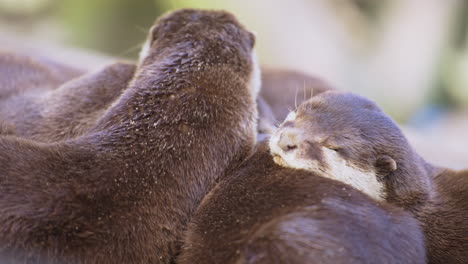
(263, 213)
(67, 110)
(25, 76)
(363, 135)
(284, 90)
(21, 74)
(124, 191)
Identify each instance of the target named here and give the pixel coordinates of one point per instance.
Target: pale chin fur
(338, 168)
(290, 117)
(364, 181)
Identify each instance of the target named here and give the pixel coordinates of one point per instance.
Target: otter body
(21, 74)
(124, 191)
(24, 77)
(69, 110)
(444, 217)
(348, 138)
(264, 213)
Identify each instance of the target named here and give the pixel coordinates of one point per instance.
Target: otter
(27, 76)
(124, 191)
(20, 73)
(72, 108)
(348, 138)
(69, 110)
(283, 90)
(261, 212)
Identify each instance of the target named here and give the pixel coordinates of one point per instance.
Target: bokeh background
(411, 56)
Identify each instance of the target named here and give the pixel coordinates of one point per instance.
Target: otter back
(263, 213)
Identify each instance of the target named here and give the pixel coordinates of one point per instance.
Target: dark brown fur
(71, 109)
(67, 110)
(23, 77)
(124, 191)
(263, 213)
(361, 133)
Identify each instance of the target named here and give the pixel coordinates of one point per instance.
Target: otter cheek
(365, 181)
(313, 151)
(299, 160)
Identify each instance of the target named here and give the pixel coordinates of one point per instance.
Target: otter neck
(151, 94)
(411, 185)
(166, 116)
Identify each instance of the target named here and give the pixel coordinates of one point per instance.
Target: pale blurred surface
(411, 56)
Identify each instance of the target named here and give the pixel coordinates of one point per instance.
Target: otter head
(203, 38)
(347, 138)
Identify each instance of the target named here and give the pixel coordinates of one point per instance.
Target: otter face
(339, 136)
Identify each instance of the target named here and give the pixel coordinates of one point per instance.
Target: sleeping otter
(264, 213)
(124, 191)
(283, 90)
(348, 138)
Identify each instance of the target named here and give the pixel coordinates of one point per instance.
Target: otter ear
(385, 165)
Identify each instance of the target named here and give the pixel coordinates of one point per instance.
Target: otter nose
(287, 141)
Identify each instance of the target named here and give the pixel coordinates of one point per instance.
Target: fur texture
(67, 110)
(21, 74)
(124, 191)
(365, 138)
(264, 213)
(71, 109)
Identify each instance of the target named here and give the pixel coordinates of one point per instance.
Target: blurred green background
(411, 56)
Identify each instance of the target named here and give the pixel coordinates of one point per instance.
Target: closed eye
(334, 148)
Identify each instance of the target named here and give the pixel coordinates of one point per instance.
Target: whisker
(312, 91)
(141, 29)
(132, 49)
(304, 86)
(295, 98)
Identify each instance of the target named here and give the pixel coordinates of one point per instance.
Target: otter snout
(288, 140)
